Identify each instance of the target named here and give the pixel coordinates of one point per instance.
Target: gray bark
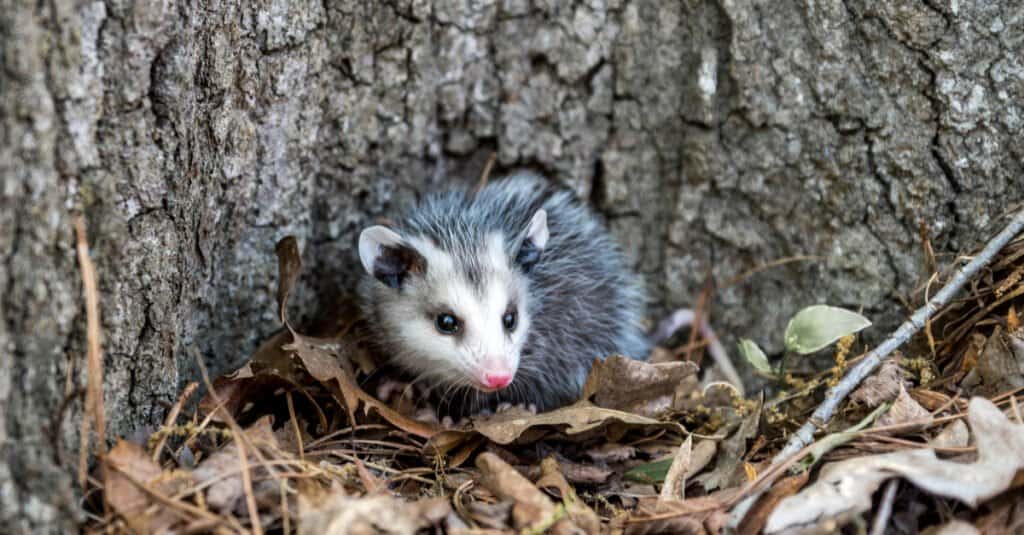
(715, 136)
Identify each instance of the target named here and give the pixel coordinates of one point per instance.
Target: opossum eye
(446, 324)
(509, 320)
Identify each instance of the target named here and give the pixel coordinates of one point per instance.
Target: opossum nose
(497, 379)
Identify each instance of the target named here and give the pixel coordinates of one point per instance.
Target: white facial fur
(482, 346)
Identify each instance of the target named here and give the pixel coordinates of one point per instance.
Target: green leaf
(818, 326)
(755, 356)
(652, 472)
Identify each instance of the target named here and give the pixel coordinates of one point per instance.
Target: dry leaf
(883, 385)
(338, 514)
(731, 452)
(675, 481)
(694, 515)
(635, 386)
(904, 409)
(611, 452)
(955, 435)
(504, 428)
(755, 519)
(532, 507)
(955, 527)
(225, 493)
(128, 460)
(289, 266)
(846, 487)
(589, 474)
(580, 515)
(999, 366)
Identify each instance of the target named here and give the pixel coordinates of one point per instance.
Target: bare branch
(865, 367)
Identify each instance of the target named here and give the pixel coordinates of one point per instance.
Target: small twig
(486, 174)
(94, 356)
(173, 416)
(775, 263)
(295, 425)
(872, 360)
(885, 508)
(250, 497)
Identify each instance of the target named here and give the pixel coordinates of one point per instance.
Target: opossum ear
(536, 239)
(387, 257)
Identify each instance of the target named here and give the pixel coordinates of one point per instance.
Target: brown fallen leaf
(694, 515)
(954, 527)
(611, 452)
(883, 385)
(589, 474)
(338, 514)
(675, 481)
(129, 460)
(226, 491)
(328, 360)
(505, 428)
(581, 516)
(532, 508)
(755, 520)
(635, 386)
(999, 366)
(731, 451)
(845, 487)
(955, 435)
(905, 409)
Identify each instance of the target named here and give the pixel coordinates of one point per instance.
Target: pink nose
(497, 380)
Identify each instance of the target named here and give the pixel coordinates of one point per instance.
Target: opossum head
(455, 313)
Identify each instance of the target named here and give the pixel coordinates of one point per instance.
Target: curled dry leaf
(222, 468)
(532, 507)
(635, 386)
(505, 428)
(754, 522)
(128, 462)
(846, 487)
(675, 480)
(955, 435)
(580, 515)
(883, 385)
(731, 452)
(903, 410)
(327, 360)
(1001, 362)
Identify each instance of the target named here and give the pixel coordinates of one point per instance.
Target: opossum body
(506, 294)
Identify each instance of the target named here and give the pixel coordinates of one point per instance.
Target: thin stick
(885, 511)
(295, 427)
(94, 357)
(858, 373)
(250, 497)
(173, 416)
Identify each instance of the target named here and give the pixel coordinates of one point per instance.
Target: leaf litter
(310, 437)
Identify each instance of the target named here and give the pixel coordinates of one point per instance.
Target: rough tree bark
(715, 136)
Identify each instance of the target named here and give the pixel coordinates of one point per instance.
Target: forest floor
(310, 437)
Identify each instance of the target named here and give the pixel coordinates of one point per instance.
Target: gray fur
(584, 301)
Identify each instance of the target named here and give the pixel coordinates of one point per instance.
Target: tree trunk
(715, 136)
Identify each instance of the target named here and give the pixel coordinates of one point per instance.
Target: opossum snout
(497, 380)
(495, 374)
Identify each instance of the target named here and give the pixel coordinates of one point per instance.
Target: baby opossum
(506, 294)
